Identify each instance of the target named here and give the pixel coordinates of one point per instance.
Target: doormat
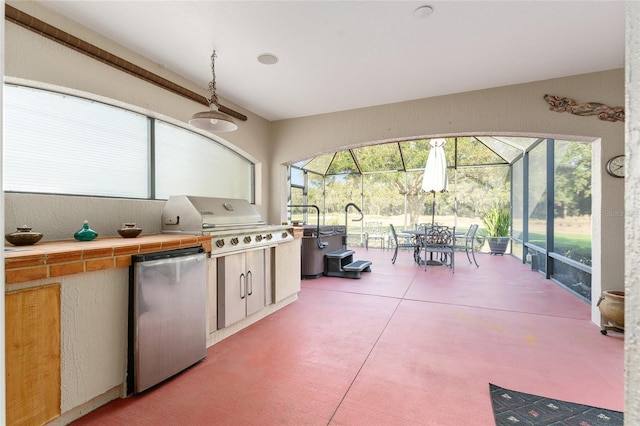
(517, 408)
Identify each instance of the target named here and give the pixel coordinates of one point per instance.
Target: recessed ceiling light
(422, 12)
(267, 58)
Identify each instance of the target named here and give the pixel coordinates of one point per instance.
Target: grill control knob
(219, 243)
(285, 235)
(258, 238)
(247, 239)
(268, 237)
(234, 241)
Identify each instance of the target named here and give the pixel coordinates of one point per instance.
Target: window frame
(152, 118)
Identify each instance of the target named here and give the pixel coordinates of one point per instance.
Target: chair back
(439, 236)
(393, 232)
(471, 234)
(373, 228)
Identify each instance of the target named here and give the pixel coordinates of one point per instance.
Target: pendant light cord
(212, 83)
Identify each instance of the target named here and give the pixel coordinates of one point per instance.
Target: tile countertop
(59, 258)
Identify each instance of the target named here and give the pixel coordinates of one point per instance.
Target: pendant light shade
(213, 120)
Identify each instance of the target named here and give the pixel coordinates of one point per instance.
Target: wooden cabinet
(244, 285)
(32, 339)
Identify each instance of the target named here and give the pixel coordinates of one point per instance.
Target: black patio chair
(466, 242)
(407, 243)
(440, 239)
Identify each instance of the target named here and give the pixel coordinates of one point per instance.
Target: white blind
(190, 164)
(55, 143)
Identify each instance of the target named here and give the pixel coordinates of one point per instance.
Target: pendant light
(213, 120)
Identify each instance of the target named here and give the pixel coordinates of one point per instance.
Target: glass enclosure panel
(383, 157)
(298, 214)
(573, 278)
(220, 171)
(507, 148)
(297, 177)
(341, 190)
(315, 190)
(415, 153)
(517, 249)
(416, 199)
(521, 144)
(473, 152)
(572, 204)
(320, 164)
(517, 200)
(538, 260)
(78, 146)
(383, 202)
(538, 195)
(343, 162)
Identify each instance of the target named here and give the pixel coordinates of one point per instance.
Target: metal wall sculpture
(604, 112)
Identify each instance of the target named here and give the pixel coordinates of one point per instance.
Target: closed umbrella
(435, 172)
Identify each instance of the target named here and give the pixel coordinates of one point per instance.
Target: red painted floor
(400, 346)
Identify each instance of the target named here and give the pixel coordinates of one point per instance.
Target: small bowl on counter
(23, 236)
(129, 230)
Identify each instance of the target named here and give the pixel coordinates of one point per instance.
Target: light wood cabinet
(32, 339)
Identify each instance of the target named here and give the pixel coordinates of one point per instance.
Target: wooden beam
(40, 27)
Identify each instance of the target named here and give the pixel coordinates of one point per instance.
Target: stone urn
(611, 305)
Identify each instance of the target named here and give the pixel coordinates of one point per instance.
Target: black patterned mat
(517, 408)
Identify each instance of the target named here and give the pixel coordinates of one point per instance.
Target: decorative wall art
(604, 112)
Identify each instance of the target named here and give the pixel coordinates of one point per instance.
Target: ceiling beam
(40, 27)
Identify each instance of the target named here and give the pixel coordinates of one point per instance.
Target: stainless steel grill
(234, 224)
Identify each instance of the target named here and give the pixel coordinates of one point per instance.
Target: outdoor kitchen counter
(59, 258)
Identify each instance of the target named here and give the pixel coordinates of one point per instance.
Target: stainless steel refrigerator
(167, 315)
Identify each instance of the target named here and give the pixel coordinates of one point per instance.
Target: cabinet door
(32, 336)
(255, 280)
(231, 289)
(286, 269)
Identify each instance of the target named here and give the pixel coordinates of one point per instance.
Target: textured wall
(32, 57)
(58, 217)
(94, 320)
(632, 252)
(518, 109)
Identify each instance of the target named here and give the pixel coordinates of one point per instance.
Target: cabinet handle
(243, 290)
(250, 281)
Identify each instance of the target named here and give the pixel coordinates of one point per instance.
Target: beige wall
(35, 58)
(518, 109)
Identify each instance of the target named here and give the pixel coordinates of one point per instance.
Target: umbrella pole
(433, 217)
(433, 209)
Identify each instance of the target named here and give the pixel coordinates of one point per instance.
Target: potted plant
(497, 221)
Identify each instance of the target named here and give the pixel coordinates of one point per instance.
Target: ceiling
(339, 55)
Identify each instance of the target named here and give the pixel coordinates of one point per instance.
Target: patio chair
(466, 242)
(407, 242)
(440, 239)
(373, 231)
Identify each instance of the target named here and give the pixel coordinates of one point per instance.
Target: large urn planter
(611, 305)
(498, 245)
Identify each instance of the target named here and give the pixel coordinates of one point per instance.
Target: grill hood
(191, 214)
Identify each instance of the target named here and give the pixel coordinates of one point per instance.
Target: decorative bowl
(129, 230)
(23, 236)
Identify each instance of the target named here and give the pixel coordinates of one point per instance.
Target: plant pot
(611, 305)
(498, 245)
